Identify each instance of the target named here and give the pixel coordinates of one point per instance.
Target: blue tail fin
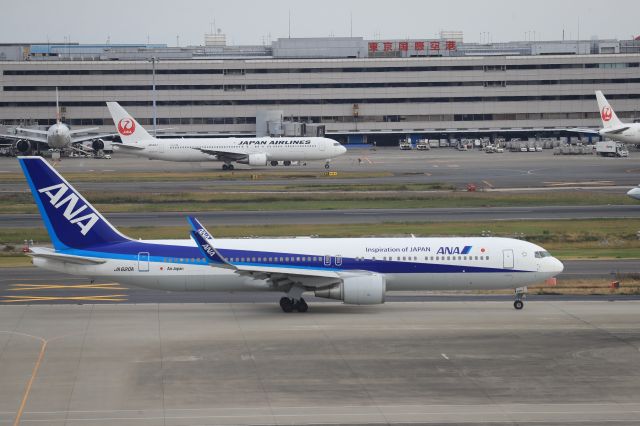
(71, 221)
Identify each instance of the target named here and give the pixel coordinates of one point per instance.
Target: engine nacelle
(97, 144)
(255, 160)
(23, 146)
(358, 290)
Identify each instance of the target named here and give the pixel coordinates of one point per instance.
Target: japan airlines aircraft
(612, 127)
(252, 151)
(57, 137)
(354, 270)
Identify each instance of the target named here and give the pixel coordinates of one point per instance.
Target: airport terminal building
(359, 90)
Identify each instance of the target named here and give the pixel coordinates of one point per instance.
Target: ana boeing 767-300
(354, 270)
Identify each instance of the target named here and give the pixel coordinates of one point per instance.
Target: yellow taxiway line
(108, 286)
(34, 372)
(99, 298)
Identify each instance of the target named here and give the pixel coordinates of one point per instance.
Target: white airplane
(634, 193)
(354, 270)
(252, 151)
(57, 137)
(612, 127)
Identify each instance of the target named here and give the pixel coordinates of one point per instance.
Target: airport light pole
(153, 82)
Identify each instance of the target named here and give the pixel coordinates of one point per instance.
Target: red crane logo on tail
(606, 113)
(127, 126)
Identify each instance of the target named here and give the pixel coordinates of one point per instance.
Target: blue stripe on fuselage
(163, 253)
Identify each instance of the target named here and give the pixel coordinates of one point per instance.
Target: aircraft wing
(46, 253)
(25, 138)
(278, 275)
(91, 137)
(224, 155)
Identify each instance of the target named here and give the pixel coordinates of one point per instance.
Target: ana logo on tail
(606, 113)
(56, 194)
(126, 126)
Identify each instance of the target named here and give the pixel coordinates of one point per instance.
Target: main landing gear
(289, 305)
(520, 294)
(227, 166)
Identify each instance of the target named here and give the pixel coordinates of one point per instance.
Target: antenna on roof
(351, 23)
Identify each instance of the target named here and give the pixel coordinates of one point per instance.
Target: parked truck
(405, 144)
(611, 149)
(423, 145)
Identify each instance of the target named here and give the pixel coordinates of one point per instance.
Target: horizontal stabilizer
(36, 131)
(125, 146)
(85, 130)
(45, 253)
(582, 130)
(615, 131)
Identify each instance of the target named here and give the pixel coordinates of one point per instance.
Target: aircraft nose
(555, 266)
(342, 149)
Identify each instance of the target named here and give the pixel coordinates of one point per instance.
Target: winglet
(204, 240)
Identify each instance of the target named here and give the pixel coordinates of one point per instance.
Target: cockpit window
(541, 254)
(336, 144)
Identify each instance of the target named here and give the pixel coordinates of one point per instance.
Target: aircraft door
(143, 261)
(507, 259)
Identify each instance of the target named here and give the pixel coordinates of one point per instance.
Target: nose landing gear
(521, 292)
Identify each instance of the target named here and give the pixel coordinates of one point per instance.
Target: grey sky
(252, 22)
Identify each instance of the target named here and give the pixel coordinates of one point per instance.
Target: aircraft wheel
(518, 304)
(225, 167)
(287, 163)
(274, 163)
(326, 166)
(286, 304)
(231, 167)
(302, 306)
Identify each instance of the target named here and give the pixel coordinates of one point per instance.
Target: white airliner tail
(607, 114)
(128, 128)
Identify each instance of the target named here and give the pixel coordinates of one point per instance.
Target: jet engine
(358, 290)
(255, 160)
(23, 146)
(97, 144)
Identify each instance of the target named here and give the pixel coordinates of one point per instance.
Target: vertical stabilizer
(71, 221)
(607, 114)
(128, 128)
